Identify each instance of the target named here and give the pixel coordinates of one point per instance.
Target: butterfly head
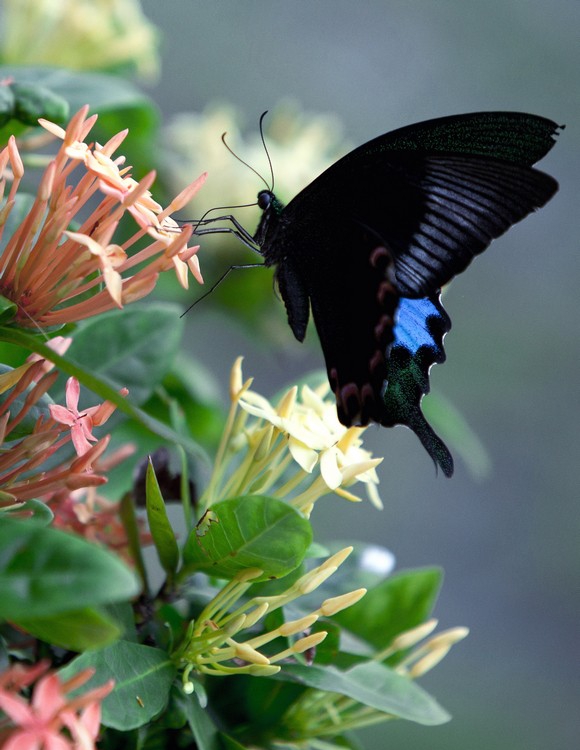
(267, 228)
(265, 199)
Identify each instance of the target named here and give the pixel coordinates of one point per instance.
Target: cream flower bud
(310, 641)
(338, 603)
(296, 626)
(247, 653)
(414, 635)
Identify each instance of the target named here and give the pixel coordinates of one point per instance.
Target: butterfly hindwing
(420, 327)
(353, 303)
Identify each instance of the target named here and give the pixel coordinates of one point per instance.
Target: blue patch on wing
(419, 330)
(419, 322)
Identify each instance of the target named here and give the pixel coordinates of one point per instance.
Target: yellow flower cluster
(296, 450)
(211, 646)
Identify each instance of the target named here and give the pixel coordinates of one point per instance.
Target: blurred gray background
(508, 543)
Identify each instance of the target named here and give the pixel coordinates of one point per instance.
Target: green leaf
(46, 572)
(8, 309)
(32, 101)
(143, 678)
(131, 348)
(37, 509)
(397, 604)
(195, 390)
(99, 386)
(116, 100)
(228, 743)
(39, 409)
(77, 630)
(374, 685)
(161, 531)
(252, 531)
(7, 105)
(204, 730)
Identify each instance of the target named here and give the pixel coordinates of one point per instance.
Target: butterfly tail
(419, 332)
(432, 443)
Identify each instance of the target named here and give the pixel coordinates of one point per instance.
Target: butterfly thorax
(269, 226)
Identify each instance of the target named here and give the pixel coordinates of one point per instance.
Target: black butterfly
(370, 242)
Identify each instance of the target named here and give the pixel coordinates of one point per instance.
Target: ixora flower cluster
(246, 592)
(54, 275)
(303, 428)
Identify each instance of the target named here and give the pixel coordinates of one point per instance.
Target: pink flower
(81, 424)
(50, 720)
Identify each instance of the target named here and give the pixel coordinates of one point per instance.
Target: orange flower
(27, 466)
(54, 275)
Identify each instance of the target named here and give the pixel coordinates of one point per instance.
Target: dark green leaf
(250, 532)
(195, 390)
(397, 604)
(203, 729)
(161, 531)
(45, 572)
(375, 685)
(116, 100)
(143, 677)
(100, 386)
(7, 104)
(32, 101)
(78, 630)
(128, 517)
(38, 409)
(131, 348)
(8, 309)
(228, 743)
(122, 613)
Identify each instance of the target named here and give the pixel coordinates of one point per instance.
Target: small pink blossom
(81, 423)
(50, 720)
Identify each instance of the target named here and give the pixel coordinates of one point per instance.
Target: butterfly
(369, 243)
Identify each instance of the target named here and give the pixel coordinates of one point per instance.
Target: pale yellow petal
(304, 456)
(329, 469)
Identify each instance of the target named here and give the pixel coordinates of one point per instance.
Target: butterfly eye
(265, 199)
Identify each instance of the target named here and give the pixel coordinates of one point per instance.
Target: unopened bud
(428, 662)
(310, 641)
(248, 574)
(295, 626)
(247, 653)
(337, 603)
(256, 614)
(411, 637)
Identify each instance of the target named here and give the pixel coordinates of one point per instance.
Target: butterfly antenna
(245, 163)
(262, 116)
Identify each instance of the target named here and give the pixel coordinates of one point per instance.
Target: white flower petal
(304, 456)
(329, 469)
(360, 469)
